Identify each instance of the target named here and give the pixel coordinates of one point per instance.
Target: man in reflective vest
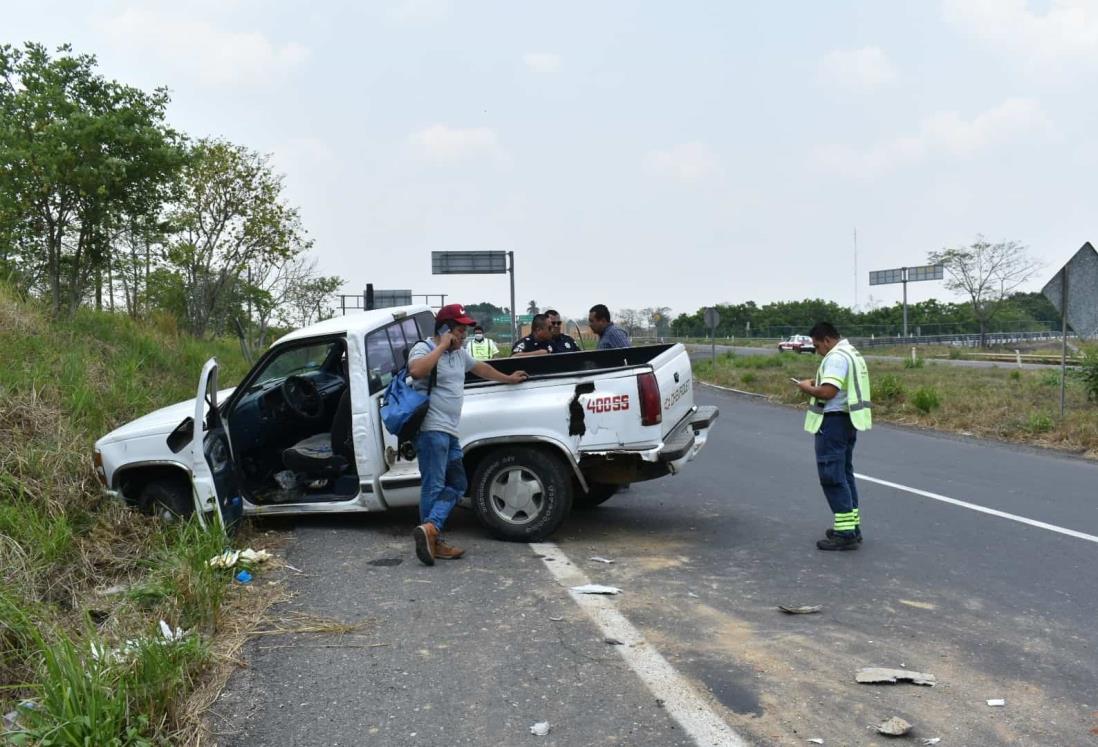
(480, 347)
(839, 407)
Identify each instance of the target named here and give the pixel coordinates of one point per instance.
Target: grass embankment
(1007, 404)
(85, 582)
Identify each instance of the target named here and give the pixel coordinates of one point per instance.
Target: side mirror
(182, 435)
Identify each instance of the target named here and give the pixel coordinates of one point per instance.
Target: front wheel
(168, 500)
(522, 494)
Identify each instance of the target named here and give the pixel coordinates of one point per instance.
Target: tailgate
(675, 378)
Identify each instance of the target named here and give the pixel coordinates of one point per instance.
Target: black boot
(830, 534)
(838, 542)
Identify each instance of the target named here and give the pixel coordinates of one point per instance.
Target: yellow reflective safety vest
(482, 351)
(856, 387)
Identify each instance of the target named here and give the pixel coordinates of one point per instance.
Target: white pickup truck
(302, 433)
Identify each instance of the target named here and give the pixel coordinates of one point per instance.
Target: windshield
(295, 361)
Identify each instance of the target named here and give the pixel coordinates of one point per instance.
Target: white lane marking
(680, 699)
(981, 509)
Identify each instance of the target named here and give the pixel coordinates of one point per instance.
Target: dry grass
(76, 568)
(1020, 406)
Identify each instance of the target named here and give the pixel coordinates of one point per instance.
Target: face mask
(479, 337)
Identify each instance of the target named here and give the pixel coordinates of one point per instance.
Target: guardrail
(972, 341)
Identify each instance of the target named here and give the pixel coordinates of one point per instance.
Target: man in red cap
(442, 473)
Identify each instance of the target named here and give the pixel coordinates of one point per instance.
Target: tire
(598, 494)
(168, 500)
(535, 506)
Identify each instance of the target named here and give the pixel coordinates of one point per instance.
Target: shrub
(888, 388)
(916, 363)
(925, 399)
(1050, 378)
(1039, 423)
(1088, 373)
(749, 378)
(954, 354)
(1015, 375)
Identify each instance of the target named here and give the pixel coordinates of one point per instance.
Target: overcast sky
(634, 153)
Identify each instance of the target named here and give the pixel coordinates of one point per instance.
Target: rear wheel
(168, 500)
(597, 494)
(522, 494)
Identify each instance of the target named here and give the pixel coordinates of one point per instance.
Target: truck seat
(327, 454)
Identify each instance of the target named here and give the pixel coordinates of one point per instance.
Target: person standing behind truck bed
(610, 334)
(839, 408)
(538, 342)
(481, 347)
(561, 342)
(442, 473)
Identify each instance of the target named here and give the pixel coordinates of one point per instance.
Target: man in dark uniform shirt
(538, 342)
(561, 342)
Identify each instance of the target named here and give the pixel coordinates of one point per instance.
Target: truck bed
(572, 363)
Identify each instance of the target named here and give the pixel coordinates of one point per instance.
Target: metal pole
(1064, 340)
(905, 302)
(514, 319)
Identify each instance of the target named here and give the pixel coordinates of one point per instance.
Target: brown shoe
(425, 536)
(445, 551)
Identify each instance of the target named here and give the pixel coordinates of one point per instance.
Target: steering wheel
(303, 398)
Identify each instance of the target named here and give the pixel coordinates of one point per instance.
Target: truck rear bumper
(684, 443)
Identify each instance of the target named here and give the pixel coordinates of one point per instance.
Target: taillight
(649, 389)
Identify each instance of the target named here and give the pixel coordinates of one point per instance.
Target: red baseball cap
(454, 312)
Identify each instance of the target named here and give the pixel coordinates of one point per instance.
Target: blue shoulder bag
(404, 406)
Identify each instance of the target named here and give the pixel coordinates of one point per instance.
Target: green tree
(78, 153)
(231, 216)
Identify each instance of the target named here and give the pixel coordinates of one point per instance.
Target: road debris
(556, 619)
(613, 642)
(692, 594)
(230, 558)
(996, 702)
(932, 741)
(881, 675)
(540, 729)
(806, 609)
(894, 727)
(815, 740)
(244, 577)
(599, 559)
(596, 589)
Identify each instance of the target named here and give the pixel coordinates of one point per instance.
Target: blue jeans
(442, 476)
(835, 464)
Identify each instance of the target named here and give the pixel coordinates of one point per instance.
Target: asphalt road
(700, 352)
(473, 652)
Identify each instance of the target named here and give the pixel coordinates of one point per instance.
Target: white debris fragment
(255, 556)
(599, 559)
(881, 675)
(171, 636)
(540, 729)
(230, 558)
(226, 559)
(996, 702)
(692, 595)
(815, 740)
(932, 741)
(596, 589)
(894, 727)
(556, 619)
